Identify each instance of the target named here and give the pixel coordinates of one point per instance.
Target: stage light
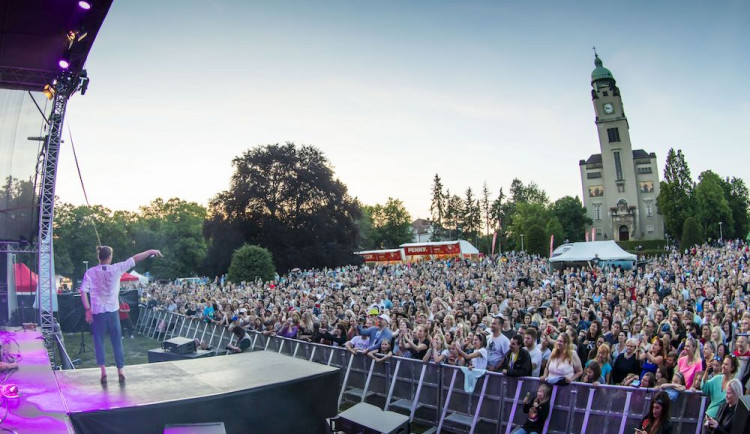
(85, 5)
(49, 91)
(63, 63)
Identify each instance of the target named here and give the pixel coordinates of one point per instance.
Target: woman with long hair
(657, 420)
(690, 364)
(562, 363)
(479, 356)
(654, 357)
(716, 387)
(602, 359)
(716, 336)
(588, 341)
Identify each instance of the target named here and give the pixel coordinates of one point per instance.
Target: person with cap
(377, 333)
(102, 284)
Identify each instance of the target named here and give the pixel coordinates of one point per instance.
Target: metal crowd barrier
(434, 395)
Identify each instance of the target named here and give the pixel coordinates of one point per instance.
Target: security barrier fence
(434, 395)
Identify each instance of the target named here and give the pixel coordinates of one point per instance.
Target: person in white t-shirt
(359, 343)
(499, 345)
(102, 283)
(529, 341)
(479, 356)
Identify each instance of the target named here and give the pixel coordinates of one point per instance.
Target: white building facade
(620, 185)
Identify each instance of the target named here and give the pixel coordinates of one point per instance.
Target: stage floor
(257, 389)
(157, 383)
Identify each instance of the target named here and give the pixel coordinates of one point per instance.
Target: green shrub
(251, 262)
(538, 243)
(691, 234)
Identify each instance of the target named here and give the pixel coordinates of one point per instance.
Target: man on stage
(103, 284)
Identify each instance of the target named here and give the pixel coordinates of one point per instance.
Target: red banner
(446, 249)
(370, 257)
(551, 244)
(494, 239)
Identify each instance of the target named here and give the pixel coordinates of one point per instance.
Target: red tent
(127, 277)
(26, 280)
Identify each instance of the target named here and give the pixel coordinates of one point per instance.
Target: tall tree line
(526, 211)
(174, 225)
(719, 206)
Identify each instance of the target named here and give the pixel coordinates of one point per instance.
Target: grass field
(136, 350)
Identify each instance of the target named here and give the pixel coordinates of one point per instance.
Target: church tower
(620, 185)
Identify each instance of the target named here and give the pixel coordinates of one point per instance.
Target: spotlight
(85, 5)
(49, 91)
(64, 63)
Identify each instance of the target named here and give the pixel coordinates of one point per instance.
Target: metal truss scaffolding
(65, 85)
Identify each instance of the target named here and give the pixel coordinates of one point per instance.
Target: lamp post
(721, 232)
(522, 242)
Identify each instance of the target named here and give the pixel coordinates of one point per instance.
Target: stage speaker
(179, 345)
(195, 428)
(741, 416)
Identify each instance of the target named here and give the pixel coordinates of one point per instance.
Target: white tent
(589, 251)
(143, 280)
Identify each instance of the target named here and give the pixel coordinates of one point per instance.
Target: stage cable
(83, 187)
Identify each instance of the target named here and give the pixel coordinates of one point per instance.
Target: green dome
(600, 72)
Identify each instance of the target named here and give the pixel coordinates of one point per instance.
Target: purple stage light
(64, 63)
(84, 4)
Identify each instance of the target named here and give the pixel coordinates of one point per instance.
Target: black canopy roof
(33, 37)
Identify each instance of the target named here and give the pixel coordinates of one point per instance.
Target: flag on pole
(494, 239)
(593, 234)
(551, 244)
(587, 236)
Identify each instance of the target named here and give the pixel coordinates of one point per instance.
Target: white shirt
(536, 359)
(103, 283)
(481, 361)
(497, 347)
(358, 343)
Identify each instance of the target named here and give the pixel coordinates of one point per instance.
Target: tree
(497, 218)
(526, 216)
(737, 196)
(691, 234)
(437, 208)
(472, 219)
(176, 226)
(530, 193)
(485, 207)
(554, 228)
(454, 213)
(391, 224)
(536, 241)
(285, 198)
(713, 206)
(250, 263)
(572, 216)
(675, 201)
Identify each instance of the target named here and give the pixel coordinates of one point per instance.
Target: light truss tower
(64, 86)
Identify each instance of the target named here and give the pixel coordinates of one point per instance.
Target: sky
(394, 92)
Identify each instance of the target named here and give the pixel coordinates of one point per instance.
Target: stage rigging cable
(83, 187)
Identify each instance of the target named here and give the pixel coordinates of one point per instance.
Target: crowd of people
(676, 322)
